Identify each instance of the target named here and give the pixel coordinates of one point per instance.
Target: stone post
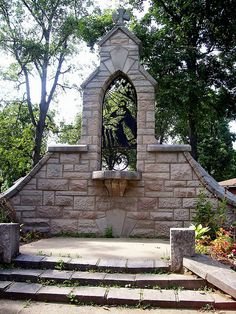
(182, 242)
(9, 241)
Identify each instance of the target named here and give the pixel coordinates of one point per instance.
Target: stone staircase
(107, 282)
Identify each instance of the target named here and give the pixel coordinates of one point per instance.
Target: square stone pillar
(182, 243)
(9, 241)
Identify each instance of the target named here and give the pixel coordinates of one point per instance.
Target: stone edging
(19, 184)
(212, 271)
(210, 183)
(67, 148)
(168, 148)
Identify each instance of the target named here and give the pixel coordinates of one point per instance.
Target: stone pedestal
(182, 242)
(9, 241)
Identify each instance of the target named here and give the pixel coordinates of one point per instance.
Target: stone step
(95, 264)
(116, 296)
(101, 278)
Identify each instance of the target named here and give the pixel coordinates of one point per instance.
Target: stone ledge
(67, 148)
(214, 272)
(168, 148)
(119, 175)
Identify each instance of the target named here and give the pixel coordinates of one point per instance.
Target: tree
(16, 143)
(70, 133)
(40, 35)
(189, 47)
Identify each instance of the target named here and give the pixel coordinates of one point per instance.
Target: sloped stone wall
(61, 196)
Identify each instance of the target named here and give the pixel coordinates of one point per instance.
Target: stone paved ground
(99, 247)
(28, 307)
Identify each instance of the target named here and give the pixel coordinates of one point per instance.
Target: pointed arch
(119, 123)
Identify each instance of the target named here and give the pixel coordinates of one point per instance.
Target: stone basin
(116, 181)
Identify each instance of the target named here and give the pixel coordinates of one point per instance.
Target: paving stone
(194, 299)
(53, 293)
(83, 263)
(20, 274)
(30, 261)
(120, 279)
(160, 298)
(113, 264)
(119, 296)
(223, 279)
(150, 280)
(51, 261)
(56, 275)
(91, 278)
(214, 272)
(4, 285)
(90, 294)
(20, 290)
(161, 264)
(140, 265)
(223, 302)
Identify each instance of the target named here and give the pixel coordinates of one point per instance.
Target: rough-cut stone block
(70, 158)
(9, 241)
(184, 192)
(48, 197)
(181, 172)
(157, 185)
(49, 211)
(189, 202)
(54, 171)
(57, 275)
(162, 228)
(182, 242)
(31, 199)
(162, 215)
(170, 203)
(181, 214)
(84, 203)
(147, 203)
(128, 226)
(58, 225)
(64, 200)
(166, 157)
(53, 184)
(157, 168)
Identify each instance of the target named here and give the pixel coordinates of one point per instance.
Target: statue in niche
(119, 131)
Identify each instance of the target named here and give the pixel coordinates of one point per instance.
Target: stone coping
(209, 182)
(212, 271)
(168, 148)
(67, 148)
(116, 174)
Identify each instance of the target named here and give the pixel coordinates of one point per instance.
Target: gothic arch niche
(119, 126)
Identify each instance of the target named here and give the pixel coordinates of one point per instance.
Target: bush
(7, 212)
(209, 217)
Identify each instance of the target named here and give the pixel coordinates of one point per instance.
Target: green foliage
(70, 133)
(60, 265)
(209, 217)
(108, 232)
(222, 245)
(200, 231)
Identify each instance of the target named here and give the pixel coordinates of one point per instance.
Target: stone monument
(72, 190)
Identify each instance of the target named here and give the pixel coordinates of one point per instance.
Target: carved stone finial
(120, 16)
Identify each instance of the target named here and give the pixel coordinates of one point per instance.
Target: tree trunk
(38, 140)
(193, 136)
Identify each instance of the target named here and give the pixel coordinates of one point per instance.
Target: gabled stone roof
(124, 30)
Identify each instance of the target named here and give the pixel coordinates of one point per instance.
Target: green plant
(207, 216)
(27, 303)
(60, 265)
(72, 298)
(200, 231)
(7, 212)
(108, 232)
(222, 245)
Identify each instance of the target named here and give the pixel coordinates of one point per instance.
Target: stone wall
(62, 196)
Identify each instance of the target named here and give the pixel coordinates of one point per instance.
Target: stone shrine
(70, 191)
